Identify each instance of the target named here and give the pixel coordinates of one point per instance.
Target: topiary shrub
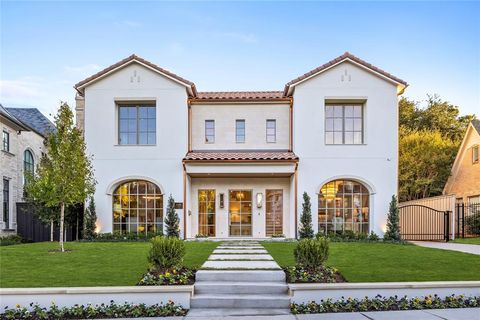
(166, 253)
(473, 223)
(311, 253)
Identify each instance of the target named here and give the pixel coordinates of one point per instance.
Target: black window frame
(6, 202)
(137, 121)
(6, 141)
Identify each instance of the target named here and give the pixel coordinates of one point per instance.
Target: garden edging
(306, 292)
(70, 296)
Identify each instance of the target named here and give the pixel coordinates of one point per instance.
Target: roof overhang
(346, 57)
(190, 86)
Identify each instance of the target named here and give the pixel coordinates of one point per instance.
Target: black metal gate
(418, 222)
(467, 220)
(30, 228)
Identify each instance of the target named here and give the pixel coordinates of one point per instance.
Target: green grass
(88, 264)
(380, 262)
(467, 240)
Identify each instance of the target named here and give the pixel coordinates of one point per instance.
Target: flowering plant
(173, 276)
(321, 274)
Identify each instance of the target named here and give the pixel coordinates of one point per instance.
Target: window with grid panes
(343, 124)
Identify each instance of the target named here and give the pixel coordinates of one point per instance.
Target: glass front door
(240, 212)
(206, 212)
(274, 212)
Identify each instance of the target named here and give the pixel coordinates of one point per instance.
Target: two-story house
(237, 163)
(23, 134)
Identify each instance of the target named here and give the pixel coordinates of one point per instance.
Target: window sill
(353, 144)
(134, 145)
(8, 153)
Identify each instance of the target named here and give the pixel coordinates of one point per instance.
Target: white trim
(293, 85)
(363, 181)
(114, 184)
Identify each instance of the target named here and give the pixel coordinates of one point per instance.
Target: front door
(240, 212)
(274, 212)
(206, 212)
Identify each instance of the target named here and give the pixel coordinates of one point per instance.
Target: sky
(47, 47)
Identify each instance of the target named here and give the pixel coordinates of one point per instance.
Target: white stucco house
(237, 163)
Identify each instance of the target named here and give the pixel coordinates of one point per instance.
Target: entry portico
(247, 194)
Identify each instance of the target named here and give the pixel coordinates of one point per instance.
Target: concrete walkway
(440, 314)
(461, 247)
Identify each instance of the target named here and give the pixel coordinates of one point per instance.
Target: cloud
(238, 36)
(27, 87)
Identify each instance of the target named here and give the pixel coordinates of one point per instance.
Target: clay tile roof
(134, 57)
(346, 55)
(241, 96)
(259, 155)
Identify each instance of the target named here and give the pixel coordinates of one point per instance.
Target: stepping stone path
(239, 278)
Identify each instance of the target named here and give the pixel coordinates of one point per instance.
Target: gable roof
(476, 125)
(12, 119)
(136, 59)
(34, 119)
(241, 96)
(344, 57)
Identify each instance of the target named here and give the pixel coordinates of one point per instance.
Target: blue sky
(47, 47)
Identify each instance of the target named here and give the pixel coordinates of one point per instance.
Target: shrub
(123, 236)
(473, 223)
(90, 218)
(172, 222)
(306, 229)
(373, 236)
(393, 222)
(311, 253)
(10, 240)
(166, 253)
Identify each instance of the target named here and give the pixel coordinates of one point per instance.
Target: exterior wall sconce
(259, 199)
(222, 201)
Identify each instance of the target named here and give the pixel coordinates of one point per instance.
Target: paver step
(232, 264)
(240, 275)
(235, 287)
(260, 301)
(241, 251)
(208, 313)
(240, 257)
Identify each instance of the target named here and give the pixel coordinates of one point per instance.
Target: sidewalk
(439, 314)
(461, 247)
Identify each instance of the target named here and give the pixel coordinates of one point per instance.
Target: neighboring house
(237, 163)
(464, 180)
(23, 134)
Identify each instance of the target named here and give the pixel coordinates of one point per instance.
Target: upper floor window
(344, 124)
(209, 131)
(240, 131)
(137, 124)
(28, 163)
(6, 141)
(475, 154)
(271, 131)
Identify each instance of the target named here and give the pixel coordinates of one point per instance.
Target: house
(23, 134)
(464, 180)
(237, 163)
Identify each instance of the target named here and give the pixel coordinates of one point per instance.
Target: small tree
(306, 229)
(393, 222)
(90, 219)
(171, 220)
(65, 175)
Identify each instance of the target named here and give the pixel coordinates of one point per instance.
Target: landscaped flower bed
(90, 311)
(385, 304)
(322, 274)
(174, 276)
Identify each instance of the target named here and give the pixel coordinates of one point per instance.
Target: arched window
(343, 205)
(138, 207)
(28, 163)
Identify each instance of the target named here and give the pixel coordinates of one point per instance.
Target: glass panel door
(240, 212)
(274, 212)
(206, 212)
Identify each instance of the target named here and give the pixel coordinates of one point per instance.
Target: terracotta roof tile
(260, 155)
(346, 55)
(241, 96)
(143, 61)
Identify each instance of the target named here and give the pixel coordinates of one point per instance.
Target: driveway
(461, 247)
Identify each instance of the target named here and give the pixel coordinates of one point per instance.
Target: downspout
(296, 199)
(290, 146)
(184, 202)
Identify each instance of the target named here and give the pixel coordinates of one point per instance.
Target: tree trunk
(51, 230)
(76, 236)
(62, 217)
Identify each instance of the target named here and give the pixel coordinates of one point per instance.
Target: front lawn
(88, 264)
(381, 262)
(467, 240)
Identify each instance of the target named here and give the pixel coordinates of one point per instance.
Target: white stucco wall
(160, 163)
(223, 185)
(255, 116)
(375, 163)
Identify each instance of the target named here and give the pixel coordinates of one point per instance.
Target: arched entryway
(343, 205)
